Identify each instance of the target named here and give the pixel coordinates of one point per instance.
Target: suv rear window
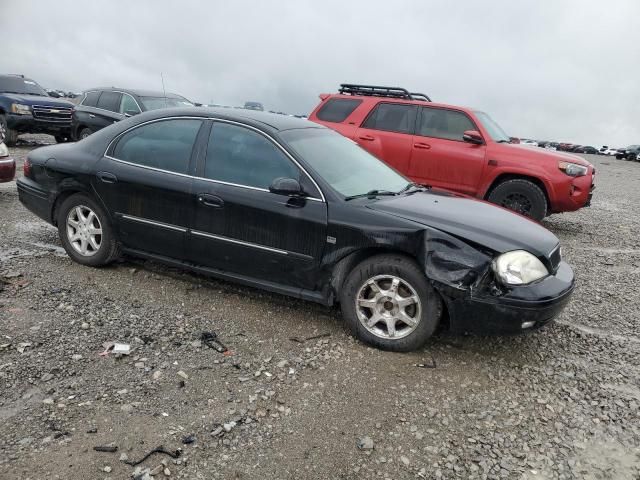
(91, 100)
(337, 109)
(392, 117)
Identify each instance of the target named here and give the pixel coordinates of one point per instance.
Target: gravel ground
(560, 403)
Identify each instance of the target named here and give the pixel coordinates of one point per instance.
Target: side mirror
(285, 186)
(473, 136)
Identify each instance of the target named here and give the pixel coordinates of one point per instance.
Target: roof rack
(379, 91)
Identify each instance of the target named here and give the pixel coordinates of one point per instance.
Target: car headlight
(518, 268)
(573, 169)
(20, 109)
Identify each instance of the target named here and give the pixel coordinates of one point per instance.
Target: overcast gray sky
(558, 70)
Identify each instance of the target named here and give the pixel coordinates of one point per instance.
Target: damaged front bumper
(509, 310)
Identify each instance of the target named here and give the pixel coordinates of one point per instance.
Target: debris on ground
(365, 443)
(175, 454)
(210, 339)
(106, 448)
(115, 348)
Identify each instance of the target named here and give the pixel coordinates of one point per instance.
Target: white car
(529, 143)
(610, 151)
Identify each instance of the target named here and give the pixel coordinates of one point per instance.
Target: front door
(439, 155)
(239, 226)
(146, 185)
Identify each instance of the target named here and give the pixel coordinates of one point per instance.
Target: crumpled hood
(38, 100)
(467, 218)
(541, 153)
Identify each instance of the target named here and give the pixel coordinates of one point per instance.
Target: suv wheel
(10, 137)
(84, 133)
(521, 196)
(388, 303)
(85, 231)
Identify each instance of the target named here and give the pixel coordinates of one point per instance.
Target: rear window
(392, 117)
(91, 100)
(337, 109)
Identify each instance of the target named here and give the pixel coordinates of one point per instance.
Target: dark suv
(26, 108)
(100, 107)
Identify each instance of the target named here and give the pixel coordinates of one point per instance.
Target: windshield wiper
(414, 187)
(371, 194)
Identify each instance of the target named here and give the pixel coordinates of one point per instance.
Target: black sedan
(289, 206)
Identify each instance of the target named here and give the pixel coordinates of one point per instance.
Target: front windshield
(343, 164)
(495, 131)
(154, 103)
(21, 85)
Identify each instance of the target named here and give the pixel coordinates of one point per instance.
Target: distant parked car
(589, 150)
(7, 164)
(528, 143)
(551, 146)
(628, 153)
(100, 107)
(25, 107)
(254, 106)
(610, 151)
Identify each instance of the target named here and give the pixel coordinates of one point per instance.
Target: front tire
(388, 303)
(84, 133)
(522, 196)
(85, 231)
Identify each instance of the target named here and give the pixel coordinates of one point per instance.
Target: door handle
(210, 200)
(91, 115)
(422, 146)
(107, 177)
(367, 138)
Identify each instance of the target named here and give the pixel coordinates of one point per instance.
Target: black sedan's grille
(58, 115)
(555, 258)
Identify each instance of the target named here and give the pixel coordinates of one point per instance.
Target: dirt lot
(561, 403)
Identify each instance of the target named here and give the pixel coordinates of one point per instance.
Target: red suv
(456, 148)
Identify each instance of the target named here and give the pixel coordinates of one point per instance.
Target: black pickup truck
(26, 108)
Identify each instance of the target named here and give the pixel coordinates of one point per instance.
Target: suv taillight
(26, 168)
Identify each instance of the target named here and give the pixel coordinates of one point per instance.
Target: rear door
(107, 110)
(387, 133)
(145, 181)
(439, 155)
(239, 226)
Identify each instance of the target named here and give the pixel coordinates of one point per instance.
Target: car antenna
(164, 92)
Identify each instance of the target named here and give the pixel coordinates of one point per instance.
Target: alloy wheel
(84, 230)
(518, 203)
(388, 307)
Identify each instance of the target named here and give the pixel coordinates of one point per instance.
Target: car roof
(139, 93)
(273, 121)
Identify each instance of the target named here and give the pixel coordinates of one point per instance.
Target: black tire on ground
(84, 133)
(109, 248)
(631, 156)
(521, 196)
(405, 269)
(10, 136)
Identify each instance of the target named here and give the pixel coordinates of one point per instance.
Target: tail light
(26, 168)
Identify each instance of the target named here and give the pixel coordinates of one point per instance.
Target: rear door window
(392, 117)
(165, 145)
(110, 101)
(337, 109)
(91, 99)
(446, 124)
(243, 157)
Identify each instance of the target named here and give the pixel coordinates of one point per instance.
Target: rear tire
(10, 137)
(400, 318)
(522, 196)
(85, 231)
